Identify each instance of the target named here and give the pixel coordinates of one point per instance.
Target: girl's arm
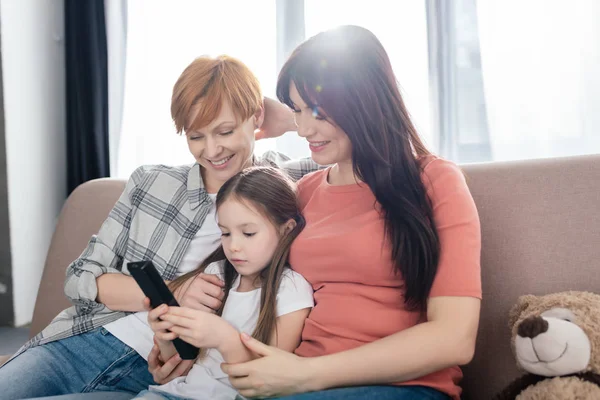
(294, 302)
(166, 348)
(206, 330)
(286, 337)
(288, 332)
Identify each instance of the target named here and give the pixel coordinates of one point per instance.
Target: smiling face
(217, 103)
(249, 239)
(328, 143)
(224, 147)
(552, 344)
(557, 334)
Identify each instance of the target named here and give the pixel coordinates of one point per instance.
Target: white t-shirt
(206, 380)
(134, 330)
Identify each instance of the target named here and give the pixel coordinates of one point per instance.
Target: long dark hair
(346, 74)
(274, 196)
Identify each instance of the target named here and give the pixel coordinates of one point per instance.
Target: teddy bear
(556, 341)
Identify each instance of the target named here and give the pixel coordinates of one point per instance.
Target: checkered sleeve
(104, 252)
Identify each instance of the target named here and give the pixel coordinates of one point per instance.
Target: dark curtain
(87, 92)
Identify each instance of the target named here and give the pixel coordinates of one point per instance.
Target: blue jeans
(152, 395)
(90, 362)
(373, 393)
(349, 393)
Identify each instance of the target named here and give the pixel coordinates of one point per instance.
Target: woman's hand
(276, 373)
(199, 328)
(164, 372)
(204, 292)
(278, 120)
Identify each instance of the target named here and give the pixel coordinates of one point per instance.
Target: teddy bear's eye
(559, 313)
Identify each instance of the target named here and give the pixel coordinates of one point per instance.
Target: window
(525, 74)
(480, 83)
(163, 39)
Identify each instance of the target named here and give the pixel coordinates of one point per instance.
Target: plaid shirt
(156, 218)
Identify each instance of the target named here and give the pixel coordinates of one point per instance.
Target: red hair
(213, 80)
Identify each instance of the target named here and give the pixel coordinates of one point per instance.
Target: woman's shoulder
(271, 158)
(447, 189)
(157, 169)
(149, 173)
(432, 163)
(313, 179)
(308, 184)
(438, 173)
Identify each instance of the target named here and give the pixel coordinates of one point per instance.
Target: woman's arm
(119, 292)
(104, 255)
(278, 120)
(447, 339)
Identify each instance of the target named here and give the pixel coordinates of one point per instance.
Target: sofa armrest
(4, 359)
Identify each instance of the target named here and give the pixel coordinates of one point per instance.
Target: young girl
(259, 217)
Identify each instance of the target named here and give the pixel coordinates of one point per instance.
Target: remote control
(153, 286)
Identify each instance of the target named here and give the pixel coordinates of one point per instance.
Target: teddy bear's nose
(532, 326)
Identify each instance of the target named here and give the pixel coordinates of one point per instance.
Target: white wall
(34, 106)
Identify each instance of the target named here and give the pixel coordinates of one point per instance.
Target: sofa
(540, 222)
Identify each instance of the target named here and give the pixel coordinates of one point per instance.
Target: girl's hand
(156, 321)
(202, 329)
(276, 373)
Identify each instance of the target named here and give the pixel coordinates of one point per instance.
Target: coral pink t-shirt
(343, 254)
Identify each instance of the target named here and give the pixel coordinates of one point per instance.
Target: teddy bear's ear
(522, 304)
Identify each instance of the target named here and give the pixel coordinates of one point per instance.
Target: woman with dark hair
(391, 244)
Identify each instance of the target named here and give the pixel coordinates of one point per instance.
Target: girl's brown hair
(274, 195)
(213, 80)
